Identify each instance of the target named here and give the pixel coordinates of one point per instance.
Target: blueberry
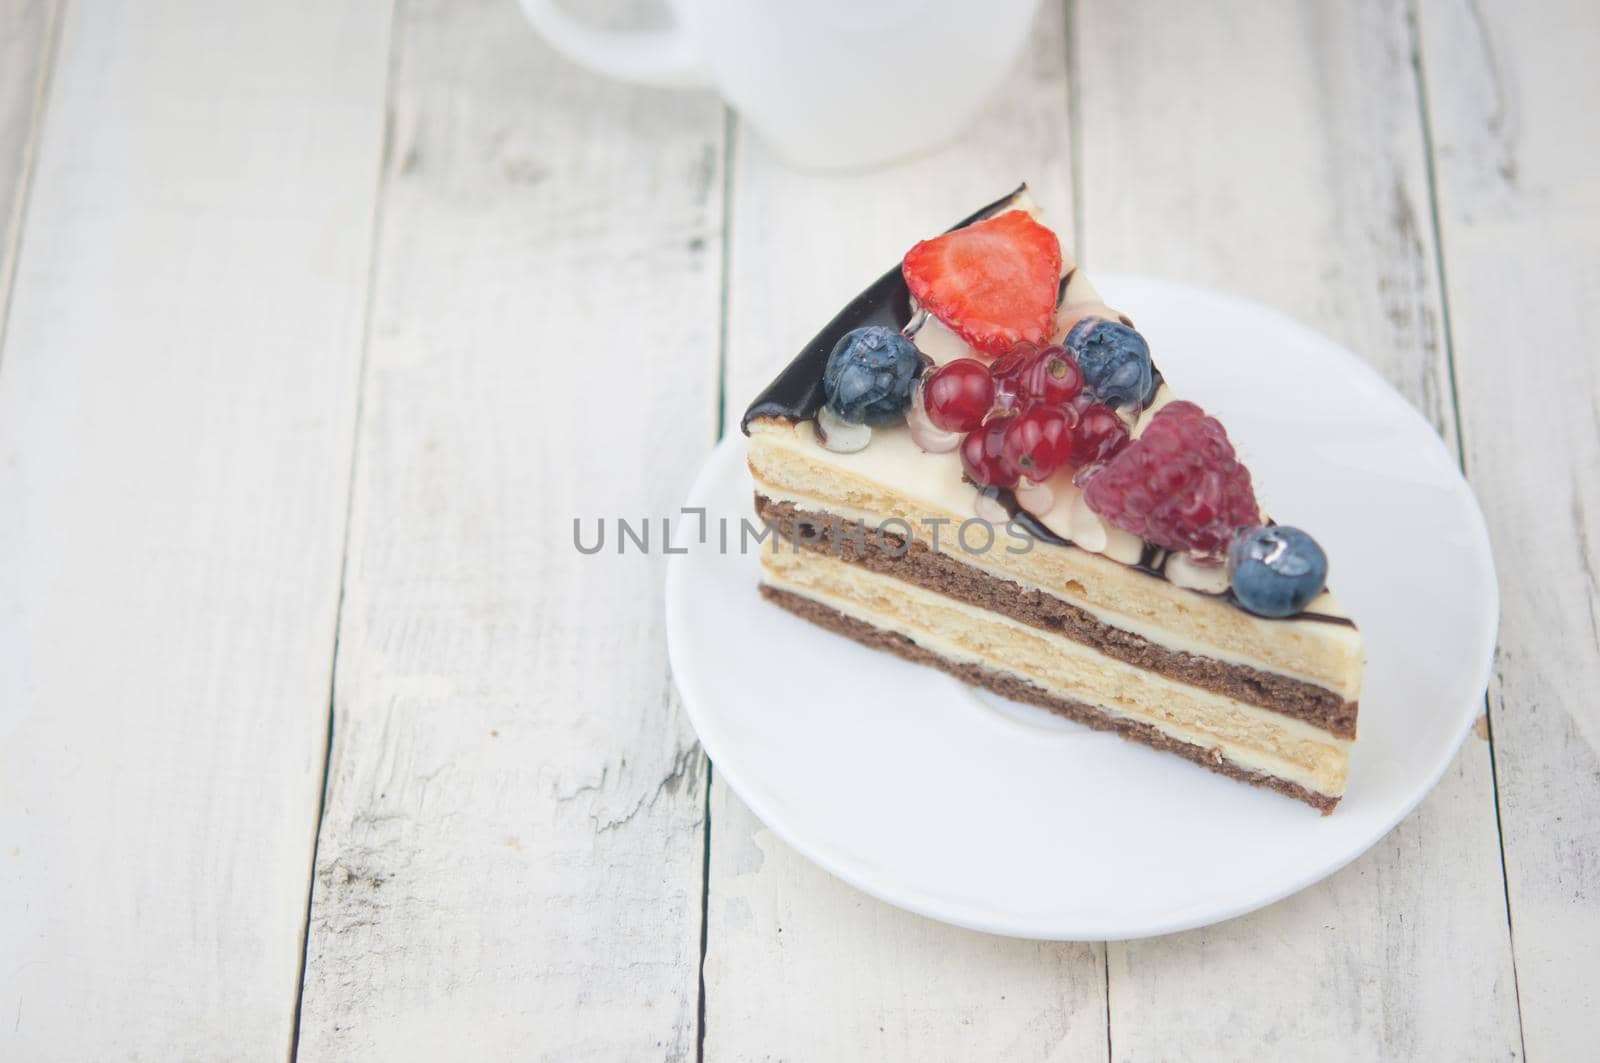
(869, 376)
(1114, 358)
(1276, 571)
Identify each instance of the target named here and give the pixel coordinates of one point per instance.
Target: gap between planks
(11, 248)
(381, 183)
(730, 130)
(1420, 75)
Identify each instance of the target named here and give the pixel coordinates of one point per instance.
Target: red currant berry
(958, 395)
(983, 456)
(1052, 376)
(1040, 441)
(1010, 364)
(1006, 372)
(1098, 435)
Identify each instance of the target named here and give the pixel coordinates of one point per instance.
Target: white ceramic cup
(832, 84)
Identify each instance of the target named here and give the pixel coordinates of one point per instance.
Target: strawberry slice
(993, 282)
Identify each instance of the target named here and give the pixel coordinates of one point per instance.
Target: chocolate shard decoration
(796, 394)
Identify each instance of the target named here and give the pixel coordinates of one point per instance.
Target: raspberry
(1178, 485)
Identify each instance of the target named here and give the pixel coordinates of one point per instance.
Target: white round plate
(910, 786)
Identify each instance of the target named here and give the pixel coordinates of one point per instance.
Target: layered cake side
(977, 467)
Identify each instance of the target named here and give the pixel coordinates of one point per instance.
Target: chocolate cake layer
(1018, 689)
(942, 573)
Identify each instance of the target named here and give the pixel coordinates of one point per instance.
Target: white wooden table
(322, 321)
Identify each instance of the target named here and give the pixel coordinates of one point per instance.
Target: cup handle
(655, 57)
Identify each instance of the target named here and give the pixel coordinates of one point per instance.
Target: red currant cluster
(1026, 415)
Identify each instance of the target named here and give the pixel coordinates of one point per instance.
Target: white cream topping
(1079, 291)
(927, 435)
(1038, 499)
(1072, 519)
(841, 436)
(934, 339)
(990, 510)
(1185, 571)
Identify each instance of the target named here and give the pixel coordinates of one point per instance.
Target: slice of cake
(977, 466)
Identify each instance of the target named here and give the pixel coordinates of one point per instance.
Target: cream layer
(893, 479)
(1252, 738)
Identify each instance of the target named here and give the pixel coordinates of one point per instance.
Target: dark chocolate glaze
(1023, 519)
(796, 394)
(1321, 618)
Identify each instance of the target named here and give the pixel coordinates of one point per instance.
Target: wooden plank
(27, 30)
(801, 966)
(511, 858)
(177, 404)
(1519, 215)
(798, 965)
(1277, 150)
